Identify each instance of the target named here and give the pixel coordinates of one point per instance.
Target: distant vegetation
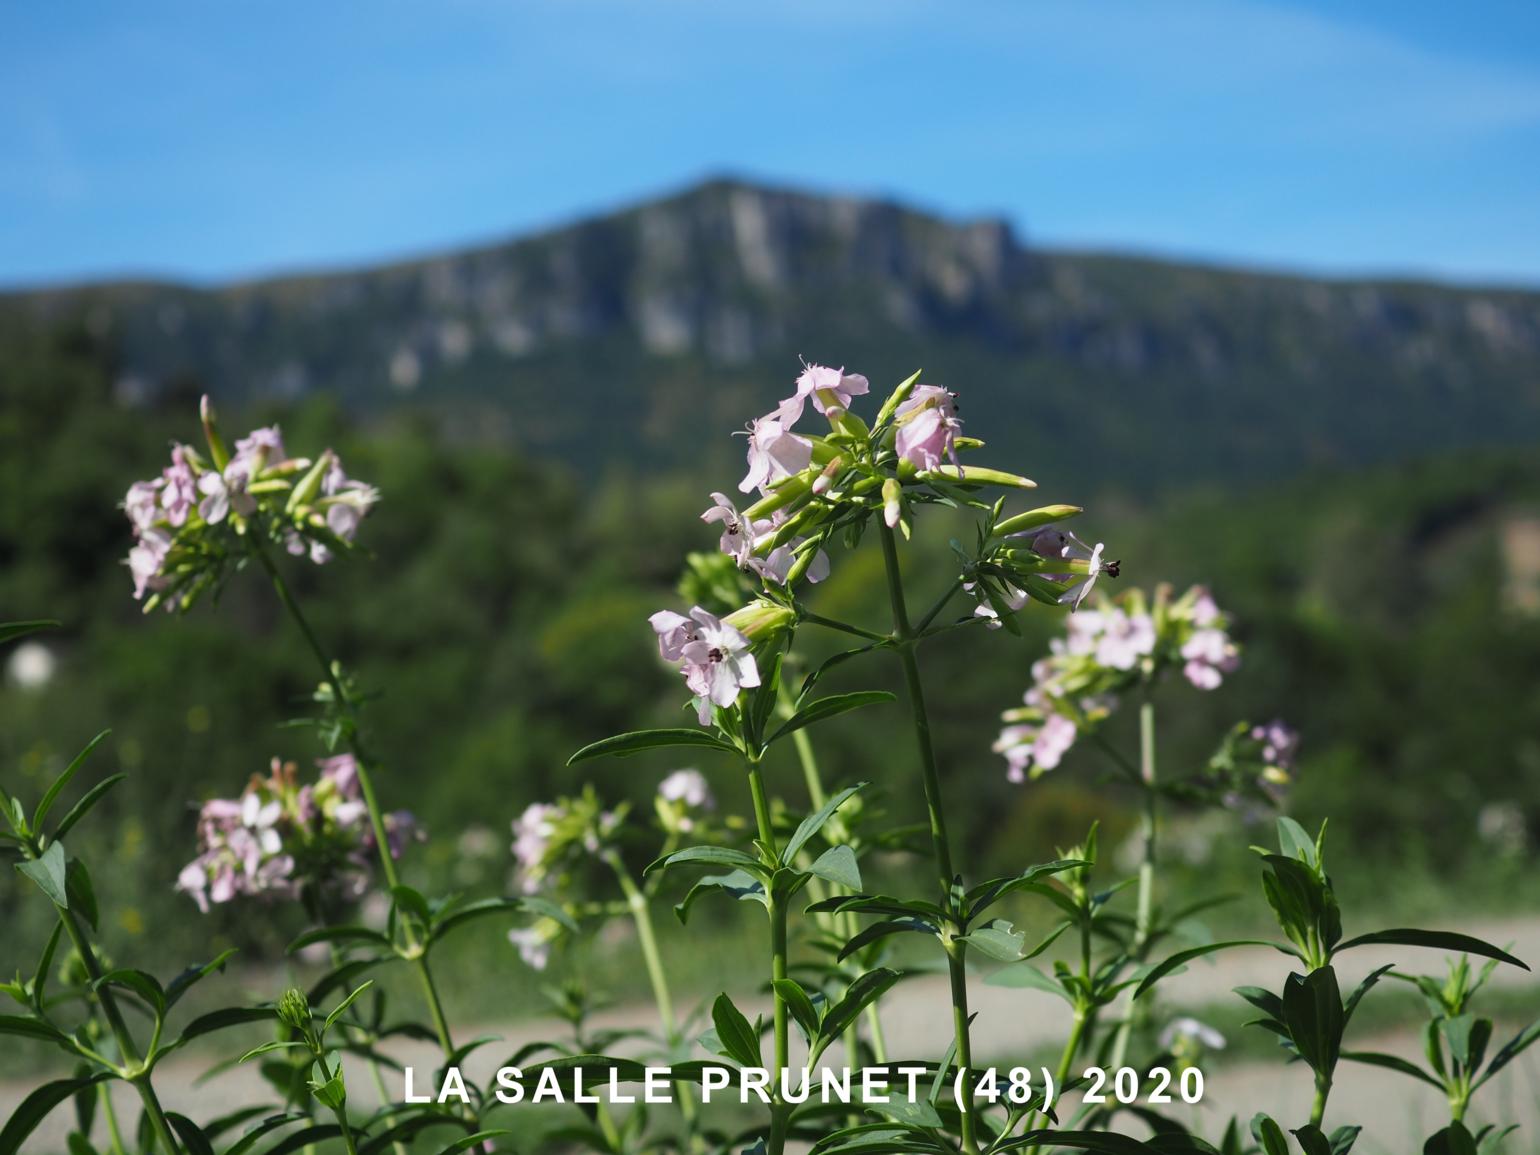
(1374, 609)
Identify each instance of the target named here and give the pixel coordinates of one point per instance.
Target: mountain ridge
(637, 334)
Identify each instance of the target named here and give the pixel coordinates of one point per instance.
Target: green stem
(641, 917)
(128, 1053)
(956, 953)
(365, 783)
(842, 627)
(779, 1113)
(1149, 829)
(347, 1131)
(114, 1133)
(1318, 1107)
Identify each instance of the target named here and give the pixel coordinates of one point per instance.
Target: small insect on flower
(1057, 543)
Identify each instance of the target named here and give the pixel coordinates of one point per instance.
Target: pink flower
(223, 492)
(737, 532)
(774, 453)
(926, 426)
(1057, 543)
(1034, 749)
(1210, 654)
(1125, 638)
(533, 946)
(142, 503)
(829, 389)
(145, 559)
(180, 488)
(688, 787)
(717, 664)
(532, 831)
(345, 501)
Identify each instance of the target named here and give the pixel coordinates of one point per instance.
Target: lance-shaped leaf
(869, 987)
(35, 1108)
(11, 631)
(830, 707)
(87, 800)
(1269, 1135)
(63, 780)
(337, 934)
(981, 897)
(1105, 1143)
(1182, 957)
(1511, 1050)
(1452, 1140)
(191, 1135)
(1312, 1010)
(1435, 939)
(739, 1039)
(814, 822)
(1311, 1140)
(1392, 1063)
(738, 883)
(710, 856)
(800, 1004)
(639, 741)
(880, 930)
(183, 982)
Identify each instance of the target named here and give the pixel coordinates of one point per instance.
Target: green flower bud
(294, 1009)
(761, 621)
(897, 398)
(972, 475)
(1035, 518)
(309, 486)
(216, 443)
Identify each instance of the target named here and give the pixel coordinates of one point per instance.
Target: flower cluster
(190, 520)
(548, 836)
(280, 836)
(1252, 768)
(715, 654)
(683, 799)
(1106, 650)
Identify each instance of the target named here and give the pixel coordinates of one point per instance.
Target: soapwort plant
(822, 481)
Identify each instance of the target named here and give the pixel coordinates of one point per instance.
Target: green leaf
(48, 871)
(188, 1132)
(999, 940)
(142, 984)
(985, 895)
(637, 741)
(471, 1141)
(337, 934)
(878, 930)
(1437, 940)
(87, 800)
(269, 1047)
(344, 1005)
(740, 884)
(1025, 975)
(182, 983)
(219, 1021)
(740, 1041)
(63, 780)
(412, 902)
(1511, 1050)
(1312, 1011)
(1098, 1141)
(814, 822)
(838, 865)
(1295, 843)
(32, 1029)
(799, 1004)
(1452, 1140)
(1269, 1134)
(869, 987)
(309, 1137)
(710, 856)
(1183, 957)
(36, 1106)
(1311, 1141)
(11, 631)
(82, 895)
(831, 707)
(1392, 1063)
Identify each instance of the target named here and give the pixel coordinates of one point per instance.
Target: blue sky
(217, 139)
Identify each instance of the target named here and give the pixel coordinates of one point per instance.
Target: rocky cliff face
(689, 311)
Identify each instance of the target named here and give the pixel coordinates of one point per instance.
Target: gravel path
(1013, 1022)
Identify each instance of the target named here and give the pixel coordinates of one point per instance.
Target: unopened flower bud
(309, 486)
(761, 621)
(825, 480)
(294, 1009)
(1034, 518)
(892, 507)
(217, 450)
(897, 398)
